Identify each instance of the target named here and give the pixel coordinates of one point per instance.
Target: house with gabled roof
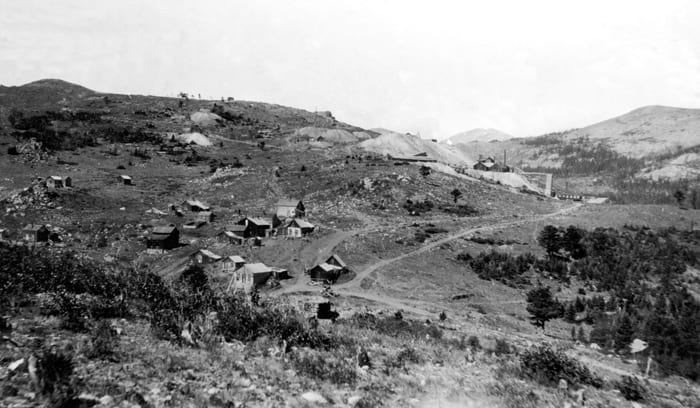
(58, 182)
(290, 208)
(35, 233)
(259, 227)
(162, 238)
(298, 228)
(325, 272)
(329, 270)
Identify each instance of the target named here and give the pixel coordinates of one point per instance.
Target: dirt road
(425, 248)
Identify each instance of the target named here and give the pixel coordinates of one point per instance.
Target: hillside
(655, 145)
(478, 135)
(429, 310)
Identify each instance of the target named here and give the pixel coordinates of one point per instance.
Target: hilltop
(478, 135)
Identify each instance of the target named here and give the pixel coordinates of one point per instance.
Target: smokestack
(504, 157)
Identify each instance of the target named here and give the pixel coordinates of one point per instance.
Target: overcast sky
(437, 67)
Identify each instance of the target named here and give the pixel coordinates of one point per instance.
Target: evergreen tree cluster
(641, 270)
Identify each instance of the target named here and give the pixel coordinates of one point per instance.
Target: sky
(433, 67)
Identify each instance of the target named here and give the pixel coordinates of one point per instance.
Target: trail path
(425, 248)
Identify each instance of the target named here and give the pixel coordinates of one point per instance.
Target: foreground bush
(547, 366)
(324, 366)
(396, 327)
(631, 388)
(242, 321)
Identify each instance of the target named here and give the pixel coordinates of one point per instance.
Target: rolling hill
(659, 140)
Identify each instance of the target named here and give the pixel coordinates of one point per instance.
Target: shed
(163, 238)
(58, 182)
(232, 263)
(35, 233)
(279, 273)
(126, 180)
(3, 234)
(290, 208)
(205, 256)
(298, 228)
(259, 271)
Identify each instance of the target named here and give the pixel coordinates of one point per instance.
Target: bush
(474, 343)
(547, 366)
(55, 374)
(103, 342)
(241, 321)
(397, 327)
(324, 366)
(631, 388)
(502, 347)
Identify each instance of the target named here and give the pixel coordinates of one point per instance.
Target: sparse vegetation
(547, 366)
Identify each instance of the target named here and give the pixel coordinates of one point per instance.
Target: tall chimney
(504, 157)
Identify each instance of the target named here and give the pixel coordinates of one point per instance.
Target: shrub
(473, 342)
(324, 366)
(547, 366)
(55, 375)
(395, 327)
(103, 342)
(502, 347)
(631, 388)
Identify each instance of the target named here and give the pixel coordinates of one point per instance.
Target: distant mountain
(652, 141)
(479, 134)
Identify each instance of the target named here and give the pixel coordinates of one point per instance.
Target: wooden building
(35, 233)
(163, 238)
(290, 209)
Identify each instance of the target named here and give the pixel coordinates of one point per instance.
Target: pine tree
(624, 334)
(582, 335)
(570, 313)
(549, 239)
(542, 306)
(572, 242)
